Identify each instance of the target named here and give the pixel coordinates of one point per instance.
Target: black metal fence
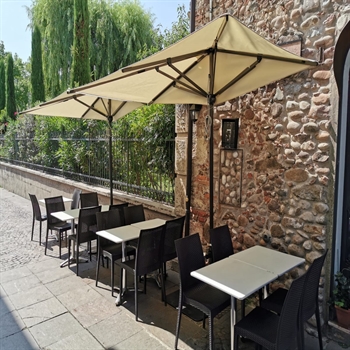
(137, 168)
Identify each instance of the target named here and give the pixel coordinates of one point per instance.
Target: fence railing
(137, 168)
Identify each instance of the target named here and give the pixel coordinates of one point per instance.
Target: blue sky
(17, 38)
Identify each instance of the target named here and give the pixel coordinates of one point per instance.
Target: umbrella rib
(183, 75)
(118, 109)
(90, 107)
(239, 76)
(270, 57)
(165, 61)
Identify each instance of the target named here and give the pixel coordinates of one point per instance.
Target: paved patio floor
(43, 306)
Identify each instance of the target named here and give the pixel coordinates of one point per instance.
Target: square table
(72, 214)
(127, 233)
(243, 273)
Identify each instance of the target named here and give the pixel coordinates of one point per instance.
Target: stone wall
(22, 181)
(287, 136)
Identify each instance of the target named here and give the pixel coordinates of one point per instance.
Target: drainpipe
(210, 10)
(189, 141)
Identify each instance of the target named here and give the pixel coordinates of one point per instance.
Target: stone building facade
(277, 188)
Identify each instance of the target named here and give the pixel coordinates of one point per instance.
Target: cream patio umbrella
(222, 60)
(87, 107)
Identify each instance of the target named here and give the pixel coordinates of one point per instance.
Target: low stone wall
(22, 181)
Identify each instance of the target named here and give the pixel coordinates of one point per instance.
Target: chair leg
(32, 228)
(211, 332)
(47, 237)
(318, 321)
(136, 299)
(69, 242)
(39, 233)
(112, 276)
(98, 264)
(121, 285)
(162, 277)
(59, 243)
(77, 258)
(144, 283)
(179, 313)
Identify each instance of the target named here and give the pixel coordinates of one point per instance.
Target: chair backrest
(106, 220)
(310, 297)
(35, 206)
(87, 224)
(89, 199)
(173, 231)
(149, 250)
(190, 257)
(288, 321)
(75, 199)
(53, 204)
(119, 207)
(133, 214)
(221, 243)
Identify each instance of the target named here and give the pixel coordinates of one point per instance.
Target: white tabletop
(65, 199)
(268, 259)
(72, 214)
(129, 232)
(120, 234)
(143, 225)
(234, 277)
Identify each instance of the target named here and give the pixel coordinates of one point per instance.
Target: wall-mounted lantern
(194, 112)
(230, 133)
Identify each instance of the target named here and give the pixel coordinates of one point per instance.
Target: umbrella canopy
(87, 107)
(221, 61)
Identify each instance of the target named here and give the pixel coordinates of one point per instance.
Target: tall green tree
(10, 89)
(2, 85)
(80, 73)
(37, 76)
(55, 21)
(21, 75)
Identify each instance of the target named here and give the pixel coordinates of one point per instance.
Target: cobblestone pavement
(16, 248)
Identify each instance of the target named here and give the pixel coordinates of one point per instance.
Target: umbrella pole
(211, 167)
(110, 160)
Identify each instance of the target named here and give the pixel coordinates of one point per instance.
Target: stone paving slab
(41, 312)
(55, 329)
(11, 323)
(79, 341)
(20, 341)
(21, 284)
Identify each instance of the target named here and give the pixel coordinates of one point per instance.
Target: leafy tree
(21, 73)
(54, 19)
(37, 75)
(80, 73)
(105, 38)
(2, 85)
(10, 89)
(136, 27)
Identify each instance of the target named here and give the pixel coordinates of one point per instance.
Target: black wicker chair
(119, 207)
(269, 330)
(89, 199)
(173, 231)
(132, 215)
(53, 205)
(86, 232)
(148, 259)
(221, 243)
(309, 303)
(107, 249)
(194, 292)
(37, 216)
